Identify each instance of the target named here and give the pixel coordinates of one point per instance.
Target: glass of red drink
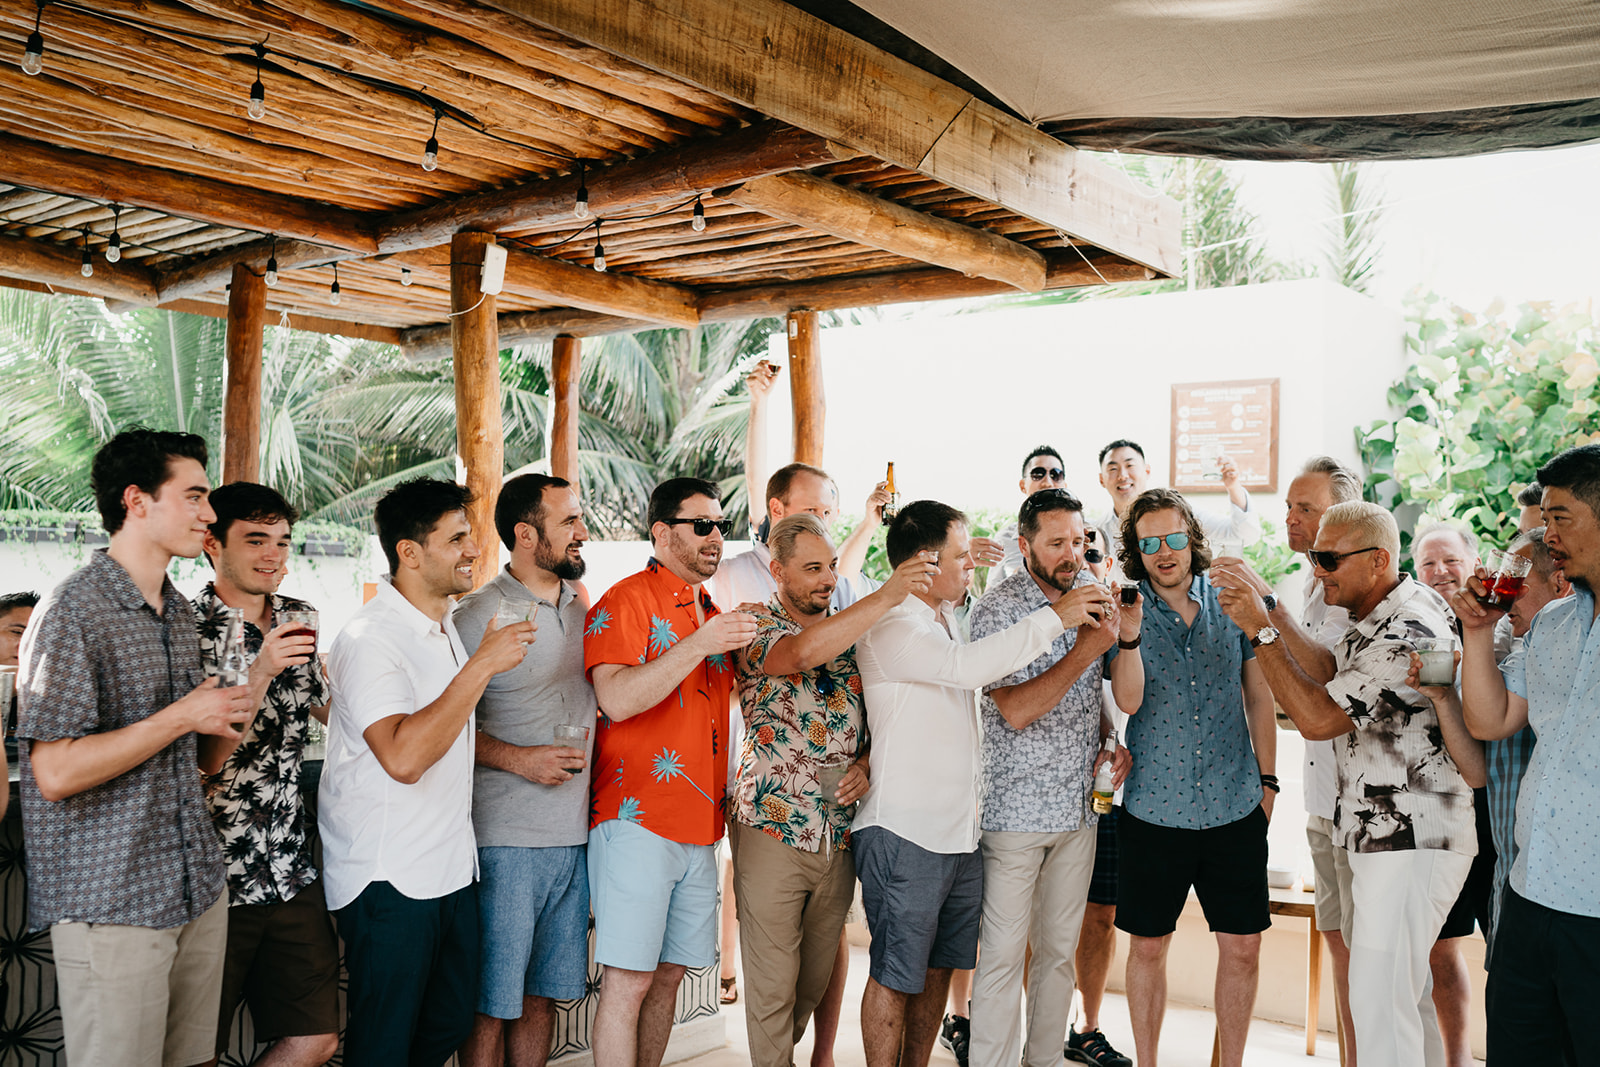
(1507, 571)
(302, 624)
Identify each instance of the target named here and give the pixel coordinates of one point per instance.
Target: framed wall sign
(1236, 419)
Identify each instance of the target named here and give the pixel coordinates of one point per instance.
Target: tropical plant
(1486, 401)
(1352, 249)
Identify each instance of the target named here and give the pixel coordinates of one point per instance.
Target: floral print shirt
(666, 768)
(255, 799)
(792, 724)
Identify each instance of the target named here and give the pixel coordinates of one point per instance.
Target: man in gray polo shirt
(530, 803)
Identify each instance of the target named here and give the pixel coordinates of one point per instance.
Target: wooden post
(475, 340)
(241, 377)
(566, 359)
(806, 396)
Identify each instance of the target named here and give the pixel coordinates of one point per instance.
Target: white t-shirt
(1324, 625)
(391, 659)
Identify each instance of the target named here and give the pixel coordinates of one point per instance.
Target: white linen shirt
(920, 680)
(391, 659)
(1323, 625)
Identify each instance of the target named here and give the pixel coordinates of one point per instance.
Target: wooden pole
(480, 443)
(809, 403)
(241, 377)
(566, 359)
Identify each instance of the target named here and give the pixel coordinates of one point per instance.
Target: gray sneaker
(1093, 1048)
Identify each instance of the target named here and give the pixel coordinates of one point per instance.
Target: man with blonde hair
(1405, 768)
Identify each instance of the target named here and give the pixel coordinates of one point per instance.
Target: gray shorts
(922, 907)
(1332, 867)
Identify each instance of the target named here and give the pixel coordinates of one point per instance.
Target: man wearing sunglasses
(790, 811)
(1196, 804)
(1406, 765)
(1042, 469)
(1125, 474)
(656, 650)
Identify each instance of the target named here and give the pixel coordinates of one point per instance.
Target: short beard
(559, 565)
(1048, 579)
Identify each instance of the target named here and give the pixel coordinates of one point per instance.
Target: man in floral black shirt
(283, 958)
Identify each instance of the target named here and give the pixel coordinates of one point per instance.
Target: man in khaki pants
(800, 691)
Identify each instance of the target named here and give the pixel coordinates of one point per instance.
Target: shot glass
(1438, 661)
(1129, 591)
(1229, 547)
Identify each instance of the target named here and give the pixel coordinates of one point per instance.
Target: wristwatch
(1271, 601)
(1264, 636)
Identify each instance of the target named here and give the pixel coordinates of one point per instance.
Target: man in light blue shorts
(530, 804)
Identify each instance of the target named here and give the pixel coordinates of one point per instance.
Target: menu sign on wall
(1234, 419)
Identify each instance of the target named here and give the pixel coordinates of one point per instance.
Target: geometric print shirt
(792, 724)
(1398, 787)
(667, 767)
(255, 799)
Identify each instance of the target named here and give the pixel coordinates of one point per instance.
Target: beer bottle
(892, 508)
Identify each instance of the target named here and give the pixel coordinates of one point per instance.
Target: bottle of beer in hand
(892, 508)
(1104, 791)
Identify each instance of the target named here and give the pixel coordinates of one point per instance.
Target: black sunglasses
(1040, 473)
(825, 683)
(703, 527)
(1329, 561)
(1047, 500)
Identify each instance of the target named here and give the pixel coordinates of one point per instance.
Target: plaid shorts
(1103, 883)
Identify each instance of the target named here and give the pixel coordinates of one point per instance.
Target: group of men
(501, 765)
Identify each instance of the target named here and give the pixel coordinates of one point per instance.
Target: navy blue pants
(413, 968)
(1544, 984)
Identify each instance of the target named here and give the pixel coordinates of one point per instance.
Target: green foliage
(1353, 247)
(1487, 401)
(1271, 560)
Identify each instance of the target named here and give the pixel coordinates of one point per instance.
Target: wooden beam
(807, 398)
(792, 66)
(898, 287)
(480, 440)
(565, 361)
(60, 265)
(696, 167)
(241, 378)
(359, 331)
(91, 177)
(819, 204)
(572, 285)
(206, 275)
(424, 343)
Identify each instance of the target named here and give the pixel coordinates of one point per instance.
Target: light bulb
(33, 53)
(114, 248)
(258, 100)
(698, 223)
(405, 275)
(581, 207)
(333, 294)
(271, 277)
(599, 257)
(430, 154)
(87, 270)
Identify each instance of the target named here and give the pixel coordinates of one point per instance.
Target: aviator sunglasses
(1039, 474)
(1329, 561)
(1175, 541)
(703, 527)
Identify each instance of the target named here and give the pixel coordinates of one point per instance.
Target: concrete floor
(1185, 1042)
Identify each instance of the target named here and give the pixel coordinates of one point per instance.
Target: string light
(333, 290)
(114, 245)
(405, 275)
(581, 208)
(87, 269)
(271, 276)
(258, 92)
(599, 249)
(698, 223)
(33, 51)
(430, 151)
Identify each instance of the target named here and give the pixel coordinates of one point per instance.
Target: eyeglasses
(703, 527)
(1329, 561)
(1039, 474)
(1175, 541)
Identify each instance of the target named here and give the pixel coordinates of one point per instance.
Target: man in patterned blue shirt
(1544, 974)
(1196, 804)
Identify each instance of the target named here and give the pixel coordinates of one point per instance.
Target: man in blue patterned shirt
(1042, 727)
(1196, 804)
(1544, 975)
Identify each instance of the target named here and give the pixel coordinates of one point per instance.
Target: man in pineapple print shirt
(657, 652)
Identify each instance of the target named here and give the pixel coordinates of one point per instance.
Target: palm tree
(1353, 245)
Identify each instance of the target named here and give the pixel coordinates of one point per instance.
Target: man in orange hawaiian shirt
(658, 654)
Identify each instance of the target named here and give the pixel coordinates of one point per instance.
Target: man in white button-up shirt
(399, 857)
(916, 832)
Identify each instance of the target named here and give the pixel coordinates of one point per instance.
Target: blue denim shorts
(655, 901)
(534, 913)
